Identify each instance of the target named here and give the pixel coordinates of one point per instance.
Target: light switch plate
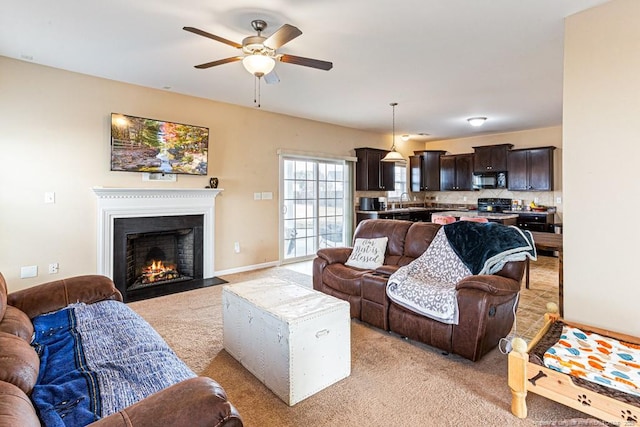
(257, 196)
(267, 195)
(28, 271)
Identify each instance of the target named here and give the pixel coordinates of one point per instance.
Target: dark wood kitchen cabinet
(491, 158)
(372, 174)
(456, 172)
(531, 169)
(424, 170)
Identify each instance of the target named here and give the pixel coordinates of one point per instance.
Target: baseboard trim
(246, 268)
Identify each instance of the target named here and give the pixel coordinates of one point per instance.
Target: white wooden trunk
(296, 340)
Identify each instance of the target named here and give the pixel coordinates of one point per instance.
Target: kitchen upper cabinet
(531, 169)
(372, 174)
(491, 158)
(456, 172)
(424, 170)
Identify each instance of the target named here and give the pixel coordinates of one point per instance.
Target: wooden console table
(549, 242)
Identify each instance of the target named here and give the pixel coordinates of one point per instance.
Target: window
(400, 179)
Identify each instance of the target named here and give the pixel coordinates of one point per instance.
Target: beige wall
(601, 152)
(54, 136)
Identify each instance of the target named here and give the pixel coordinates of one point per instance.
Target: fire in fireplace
(157, 272)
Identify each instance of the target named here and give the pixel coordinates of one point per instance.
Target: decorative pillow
(368, 253)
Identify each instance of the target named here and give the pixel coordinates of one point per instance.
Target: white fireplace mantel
(149, 202)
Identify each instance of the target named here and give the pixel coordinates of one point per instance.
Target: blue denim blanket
(97, 359)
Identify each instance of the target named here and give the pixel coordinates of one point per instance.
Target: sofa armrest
(492, 284)
(335, 255)
(52, 296)
(387, 270)
(197, 401)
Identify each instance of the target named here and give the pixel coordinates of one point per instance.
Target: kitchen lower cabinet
(531, 169)
(456, 172)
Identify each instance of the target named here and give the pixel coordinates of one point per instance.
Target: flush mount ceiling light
(476, 121)
(393, 155)
(405, 137)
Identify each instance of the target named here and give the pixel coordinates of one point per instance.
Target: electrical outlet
(559, 200)
(535, 200)
(28, 271)
(53, 268)
(236, 247)
(50, 197)
(464, 199)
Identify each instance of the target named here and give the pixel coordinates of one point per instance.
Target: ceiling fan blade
(283, 35)
(272, 78)
(307, 62)
(211, 36)
(218, 62)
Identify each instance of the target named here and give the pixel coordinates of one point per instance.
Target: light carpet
(393, 381)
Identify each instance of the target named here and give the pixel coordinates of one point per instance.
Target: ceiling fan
(260, 52)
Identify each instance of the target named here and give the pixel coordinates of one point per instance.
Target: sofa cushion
(16, 408)
(342, 278)
(16, 322)
(368, 253)
(395, 230)
(19, 364)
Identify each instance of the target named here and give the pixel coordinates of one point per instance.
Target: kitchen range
(493, 209)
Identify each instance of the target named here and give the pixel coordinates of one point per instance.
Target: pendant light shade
(393, 156)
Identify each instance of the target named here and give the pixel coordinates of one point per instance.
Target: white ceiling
(441, 60)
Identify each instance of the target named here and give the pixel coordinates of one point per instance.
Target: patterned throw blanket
(428, 284)
(97, 359)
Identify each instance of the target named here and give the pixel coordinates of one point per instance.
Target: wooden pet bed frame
(526, 375)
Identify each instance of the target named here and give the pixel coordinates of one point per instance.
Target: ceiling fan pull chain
(256, 92)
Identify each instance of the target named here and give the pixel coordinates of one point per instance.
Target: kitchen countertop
(532, 212)
(488, 215)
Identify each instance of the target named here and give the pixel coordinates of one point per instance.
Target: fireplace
(156, 255)
(154, 242)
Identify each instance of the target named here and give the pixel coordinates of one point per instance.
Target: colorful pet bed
(586, 368)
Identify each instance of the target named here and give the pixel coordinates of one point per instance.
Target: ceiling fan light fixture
(258, 65)
(476, 121)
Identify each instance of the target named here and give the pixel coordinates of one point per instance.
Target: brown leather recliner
(197, 401)
(486, 302)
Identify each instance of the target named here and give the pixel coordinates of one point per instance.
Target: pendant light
(393, 155)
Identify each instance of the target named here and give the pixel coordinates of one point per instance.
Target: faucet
(405, 193)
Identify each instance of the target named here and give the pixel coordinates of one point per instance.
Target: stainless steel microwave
(489, 180)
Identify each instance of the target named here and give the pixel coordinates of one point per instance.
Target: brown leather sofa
(197, 401)
(485, 302)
